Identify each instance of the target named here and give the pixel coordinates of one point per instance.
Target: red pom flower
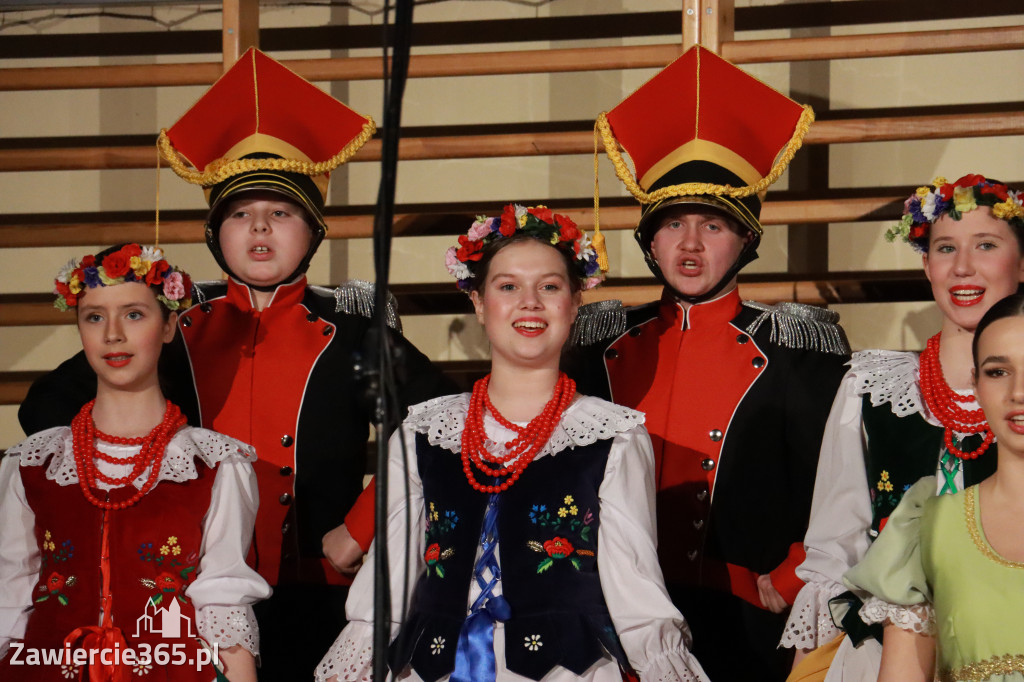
(541, 212)
(970, 180)
(116, 264)
(432, 554)
(156, 272)
(469, 249)
(508, 221)
(558, 548)
(89, 261)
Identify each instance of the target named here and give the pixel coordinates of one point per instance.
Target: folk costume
(547, 544)
(126, 543)
(894, 422)
(281, 378)
(736, 393)
(933, 571)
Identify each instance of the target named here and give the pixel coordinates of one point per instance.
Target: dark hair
(489, 251)
(1011, 306)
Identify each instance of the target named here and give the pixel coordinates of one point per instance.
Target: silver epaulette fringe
(597, 322)
(356, 297)
(797, 325)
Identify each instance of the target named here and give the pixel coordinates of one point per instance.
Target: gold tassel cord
(598, 241)
(624, 173)
(156, 222)
(221, 170)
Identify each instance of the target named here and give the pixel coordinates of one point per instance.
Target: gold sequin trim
(974, 528)
(977, 672)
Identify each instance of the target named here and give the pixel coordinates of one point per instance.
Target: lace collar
(178, 464)
(893, 377)
(586, 421)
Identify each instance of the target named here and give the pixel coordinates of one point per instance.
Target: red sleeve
(359, 520)
(784, 576)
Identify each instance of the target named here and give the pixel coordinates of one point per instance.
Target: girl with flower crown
(902, 416)
(946, 573)
(531, 506)
(123, 538)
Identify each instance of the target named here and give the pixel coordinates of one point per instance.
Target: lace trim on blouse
(349, 658)
(889, 377)
(228, 626)
(177, 466)
(810, 623)
(586, 421)
(919, 618)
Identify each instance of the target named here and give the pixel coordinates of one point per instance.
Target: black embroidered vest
(902, 450)
(547, 529)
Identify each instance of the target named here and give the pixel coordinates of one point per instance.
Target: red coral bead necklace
(519, 452)
(154, 446)
(942, 402)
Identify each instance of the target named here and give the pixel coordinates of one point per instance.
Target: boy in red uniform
(736, 393)
(267, 358)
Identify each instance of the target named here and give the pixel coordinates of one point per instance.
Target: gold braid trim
(598, 240)
(220, 169)
(976, 534)
(983, 670)
(611, 147)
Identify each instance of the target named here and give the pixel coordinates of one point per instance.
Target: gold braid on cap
(611, 147)
(222, 169)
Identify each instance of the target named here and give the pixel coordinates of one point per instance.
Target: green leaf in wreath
(545, 565)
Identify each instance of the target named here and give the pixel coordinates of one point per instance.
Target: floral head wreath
(130, 263)
(928, 204)
(536, 221)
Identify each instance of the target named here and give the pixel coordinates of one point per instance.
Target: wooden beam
(532, 61)
(717, 26)
(241, 29)
(544, 144)
(691, 23)
(104, 229)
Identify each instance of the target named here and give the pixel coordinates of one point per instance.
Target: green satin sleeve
(892, 570)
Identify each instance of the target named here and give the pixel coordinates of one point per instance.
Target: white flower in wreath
(69, 671)
(533, 642)
(456, 268)
(437, 646)
(142, 668)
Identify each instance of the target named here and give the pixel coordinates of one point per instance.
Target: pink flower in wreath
(174, 289)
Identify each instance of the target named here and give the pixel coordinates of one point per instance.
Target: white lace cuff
(674, 666)
(810, 621)
(919, 618)
(228, 626)
(350, 658)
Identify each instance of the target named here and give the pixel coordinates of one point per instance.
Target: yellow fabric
(815, 665)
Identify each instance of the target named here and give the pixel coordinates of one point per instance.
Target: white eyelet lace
(919, 618)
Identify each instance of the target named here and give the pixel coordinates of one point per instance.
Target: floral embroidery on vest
(174, 574)
(564, 520)
(437, 527)
(884, 496)
(55, 584)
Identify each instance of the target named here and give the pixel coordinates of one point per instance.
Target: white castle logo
(167, 622)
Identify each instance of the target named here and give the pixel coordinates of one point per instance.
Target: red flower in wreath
(116, 264)
(156, 272)
(89, 261)
(508, 221)
(432, 554)
(998, 190)
(567, 230)
(970, 180)
(55, 583)
(918, 231)
(168, 582)
(542, 212)
(558, 548)
(469, 249)
(946, 191)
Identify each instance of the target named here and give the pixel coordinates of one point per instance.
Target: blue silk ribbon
(474, 655)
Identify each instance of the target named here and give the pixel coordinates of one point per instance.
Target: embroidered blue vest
(547, 528)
